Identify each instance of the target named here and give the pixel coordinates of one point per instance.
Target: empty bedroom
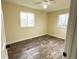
(35, 29)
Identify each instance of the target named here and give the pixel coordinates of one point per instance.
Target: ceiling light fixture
(45, 6)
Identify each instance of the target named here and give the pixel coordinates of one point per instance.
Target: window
(63, 20)
(26, 19)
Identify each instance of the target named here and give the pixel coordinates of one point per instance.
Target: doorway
(29, 26)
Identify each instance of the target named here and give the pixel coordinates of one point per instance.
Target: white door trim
(4, 54)
(71, 29)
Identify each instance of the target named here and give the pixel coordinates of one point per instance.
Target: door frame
(4, 54)
(71, 29)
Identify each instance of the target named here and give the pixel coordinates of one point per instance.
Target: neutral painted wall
(45, 23)
(14, 32)
(53, 28)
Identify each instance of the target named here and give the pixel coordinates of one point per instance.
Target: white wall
(53, 28)
(14, 32)
(45, 23)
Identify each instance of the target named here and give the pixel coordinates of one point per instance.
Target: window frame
(27, 18)
(66, 20)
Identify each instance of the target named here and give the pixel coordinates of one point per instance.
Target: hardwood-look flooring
(44, 47)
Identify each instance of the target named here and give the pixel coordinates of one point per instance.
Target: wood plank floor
(45, 47)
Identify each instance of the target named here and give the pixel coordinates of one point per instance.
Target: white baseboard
(56, 36)
(25, 39)
(33, 37)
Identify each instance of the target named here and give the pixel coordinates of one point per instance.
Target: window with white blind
(63, 20)
(27, 19)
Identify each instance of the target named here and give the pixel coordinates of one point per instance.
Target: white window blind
(63, 20)
(27, 19)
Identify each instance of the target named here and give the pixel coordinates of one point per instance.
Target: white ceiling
(58, 5)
